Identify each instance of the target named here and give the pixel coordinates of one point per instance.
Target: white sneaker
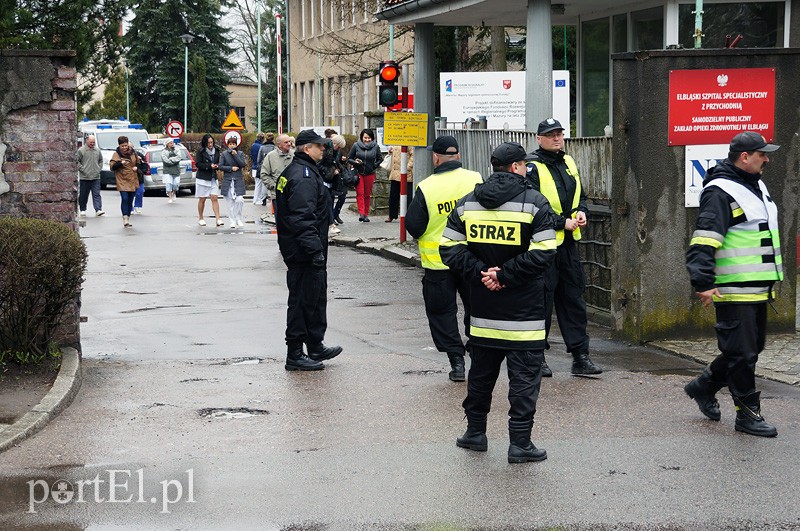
(233, 224)
(240, 222)
(201, 222)
(170, 201)
(333, 229)
(138, 210)
(82, 214)
(98, 213)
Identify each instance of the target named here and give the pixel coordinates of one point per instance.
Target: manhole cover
(230, 412)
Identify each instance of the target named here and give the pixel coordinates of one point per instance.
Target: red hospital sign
(711, 106)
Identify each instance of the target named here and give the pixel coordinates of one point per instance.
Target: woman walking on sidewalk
(365, 156)
(231, 163)
(206, 184)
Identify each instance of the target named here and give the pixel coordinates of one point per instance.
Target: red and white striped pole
(280, 72)
(403, 191)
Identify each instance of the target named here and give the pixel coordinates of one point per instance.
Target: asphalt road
(187, 410)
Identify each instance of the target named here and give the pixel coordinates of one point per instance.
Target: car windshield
(108, 139)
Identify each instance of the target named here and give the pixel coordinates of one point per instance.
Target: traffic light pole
(404, 163)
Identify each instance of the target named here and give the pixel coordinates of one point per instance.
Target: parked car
(152, 150)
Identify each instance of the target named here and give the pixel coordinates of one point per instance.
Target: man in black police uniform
(302, 218)
(734, 260)
(555, 175)
(501, 239)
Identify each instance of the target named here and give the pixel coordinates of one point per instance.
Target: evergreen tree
(200, 112)
(156, 58)
(113, 105)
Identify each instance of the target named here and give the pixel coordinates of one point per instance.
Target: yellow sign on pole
(405, 128)
(232, 122)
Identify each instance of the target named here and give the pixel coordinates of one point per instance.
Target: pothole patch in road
(373, 304)
(239, 361)
(424, 372)
(125, 292)
(147, 309)
(209, 380)
(230, 412)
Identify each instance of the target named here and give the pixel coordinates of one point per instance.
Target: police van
(107, 132)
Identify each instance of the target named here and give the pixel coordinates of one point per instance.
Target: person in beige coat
(394, 177)
(123, 163)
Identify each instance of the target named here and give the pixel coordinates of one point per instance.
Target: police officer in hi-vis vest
(501, 240)
(734, 260)
(555, 175)
(427, 215)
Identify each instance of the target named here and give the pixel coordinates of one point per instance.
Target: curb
(57, 399)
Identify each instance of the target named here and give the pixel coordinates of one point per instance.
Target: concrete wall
(652, 297)
(38, 176)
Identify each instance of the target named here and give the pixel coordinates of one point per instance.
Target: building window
(761, 24)
(240, 112)
(312, 98)
(321, 17)
(354, 104)
(332, 92)
(313, 25)
(620, 33)
(648, 29)
(366, 10)
(365, 89)
(596, 80)
(303, 121)
(352, 5)
(302, 19)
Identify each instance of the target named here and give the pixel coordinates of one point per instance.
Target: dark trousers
(524, 379)
(306, 316)
(564, 285)
(139, 199)
(126, 200)
(83, 195)
(394, 198)
(439, 289)
(337, 200)
(741, 334)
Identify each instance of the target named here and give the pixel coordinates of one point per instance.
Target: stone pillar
(538, 64)
(425, 83)
(651, 295)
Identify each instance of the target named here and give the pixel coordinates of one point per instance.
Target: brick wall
(38, 176)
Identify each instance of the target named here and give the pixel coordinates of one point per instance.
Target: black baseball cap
(507, 153)
(309, 136)
(444, 145)
(551, 124)
(751, 141)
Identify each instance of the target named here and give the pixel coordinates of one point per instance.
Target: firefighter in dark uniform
(302, 218)
(734, 260)
(555, 175)
(501, 239)
(427, 215)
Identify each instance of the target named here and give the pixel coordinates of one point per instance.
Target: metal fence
(593, 157)
(592, 154)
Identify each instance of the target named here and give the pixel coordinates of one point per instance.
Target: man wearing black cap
(427, 215)
(555, 175)
(501, 239)
(303, 216)
(734, 260)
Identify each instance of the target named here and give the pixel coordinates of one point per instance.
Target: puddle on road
(673, 371)
(239, 361)
(136, 310)
(230, 412)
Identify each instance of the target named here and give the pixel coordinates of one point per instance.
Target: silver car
(152, 149)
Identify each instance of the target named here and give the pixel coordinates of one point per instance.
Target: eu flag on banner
(561, 83)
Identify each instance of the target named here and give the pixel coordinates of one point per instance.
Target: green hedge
(42, 264)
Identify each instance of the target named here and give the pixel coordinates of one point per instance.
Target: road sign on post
(174, 129)
(232, 134)
(405, 128)
(232, 122)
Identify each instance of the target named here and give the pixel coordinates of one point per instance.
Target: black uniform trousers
(741, 335)
(564, 284)
(394, 198)
(306, 317)
(524, 380)
(439, 289)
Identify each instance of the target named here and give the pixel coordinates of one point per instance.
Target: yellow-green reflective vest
(751, 250)
(442, 191)
(547, 187)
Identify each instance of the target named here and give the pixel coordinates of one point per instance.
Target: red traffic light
(389, 71)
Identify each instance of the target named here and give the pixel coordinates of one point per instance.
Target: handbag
(350, 178)
(387, 162)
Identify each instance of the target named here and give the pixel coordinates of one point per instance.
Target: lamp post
(258, 60)
(187, 38)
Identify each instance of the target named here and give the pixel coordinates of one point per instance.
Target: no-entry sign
(711, 106)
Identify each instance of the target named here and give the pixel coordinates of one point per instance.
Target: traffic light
(388, 73)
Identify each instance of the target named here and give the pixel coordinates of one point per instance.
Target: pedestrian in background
(394, 181)
(266, 148)
(500, 239)
(254, 149)
(90, 161)
(274, 163)
(555, 175)
(426, 219)
(124, 163)
(365, 156)
(171, 161)
(303, 217)
(206, 183)
(231, 163)
(339, 188)
(138, 199)
(734, 260)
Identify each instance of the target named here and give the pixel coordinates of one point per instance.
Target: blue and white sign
(698, 161)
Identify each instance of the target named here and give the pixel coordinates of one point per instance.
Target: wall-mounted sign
(699, 159)
(711, 106)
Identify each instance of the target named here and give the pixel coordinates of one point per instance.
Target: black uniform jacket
(716, 215)
(303, 213)
(565, 184)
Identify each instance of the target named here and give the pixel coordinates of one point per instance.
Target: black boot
(475, 437)
(748, 416)
(702, 389)
(581, 364)
(320, 352)
(296, 359)
(521, 449)
(457, 364)
(547, 372)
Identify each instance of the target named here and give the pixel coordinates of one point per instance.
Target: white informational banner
(499, 96)
(320, 129)
(698, 161)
